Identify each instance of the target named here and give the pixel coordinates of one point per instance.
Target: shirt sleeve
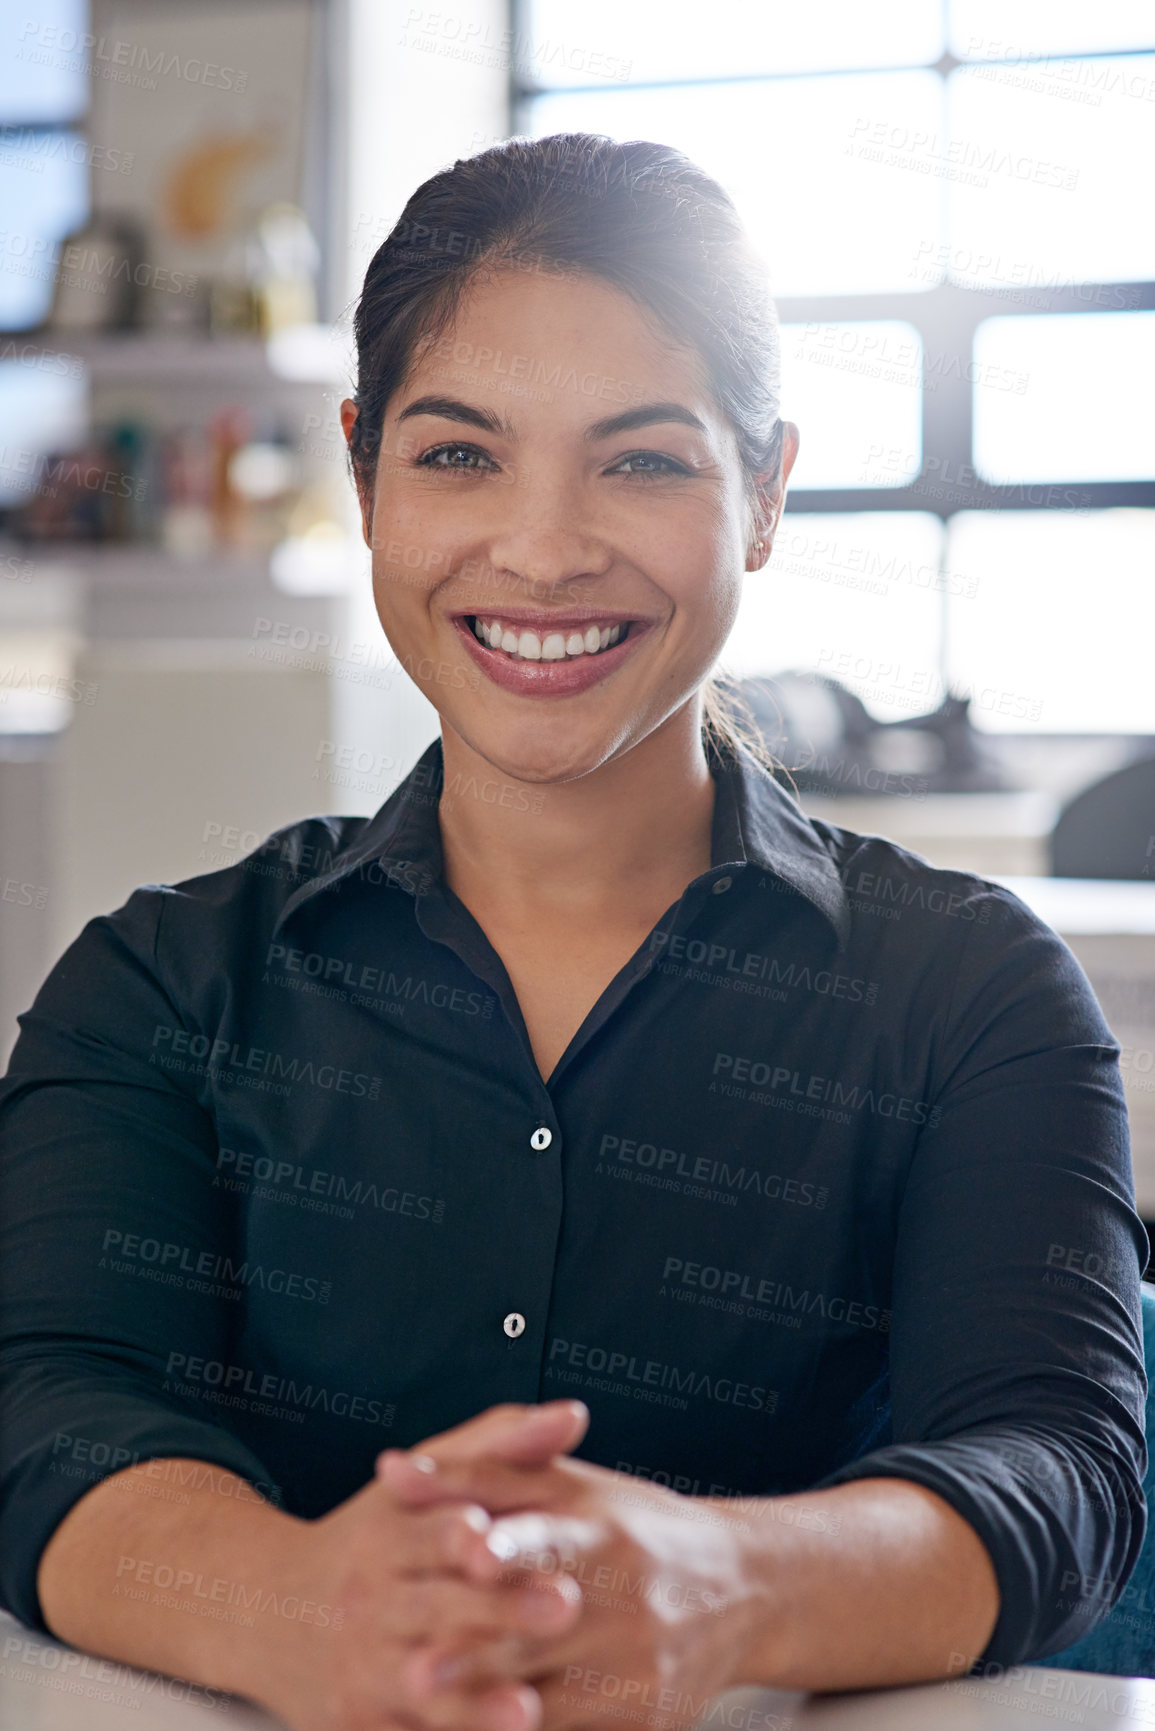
(98, 1144)
(1017, 1375)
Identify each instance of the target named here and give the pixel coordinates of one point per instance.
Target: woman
(787, 1172)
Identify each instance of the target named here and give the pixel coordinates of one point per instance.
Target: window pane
(831, 211)
(1053, 641)
(43, 73)
(1044, 179)
(1021, 29)
(854, 391)
(854, 596)
(41, 410)
(43, 198)
(563, 45)
(1080, 415)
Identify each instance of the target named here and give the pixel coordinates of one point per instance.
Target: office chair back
(1108, 830)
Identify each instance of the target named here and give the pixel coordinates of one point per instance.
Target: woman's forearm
(881, 1584)
(196, 1588)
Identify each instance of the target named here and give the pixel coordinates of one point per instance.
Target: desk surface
(45, 1686)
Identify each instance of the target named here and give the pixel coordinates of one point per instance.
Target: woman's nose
(545, 535)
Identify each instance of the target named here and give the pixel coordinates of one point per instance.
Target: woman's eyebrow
(450, 409)
(645, 415)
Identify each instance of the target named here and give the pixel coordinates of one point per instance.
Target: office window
(1058, 609)
(856, 595)
(1046, 157)
(43, 60)
(966, 278)
(42, 410)
(861, 383)
(1070, 403)
(635, 44)
(1030, 29)
(865, 240)
(44, 173)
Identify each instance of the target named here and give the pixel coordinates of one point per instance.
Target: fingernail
(477, 1519)
(422, 1463)
(502, 1546)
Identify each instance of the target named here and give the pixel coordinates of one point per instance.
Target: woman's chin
(528, 753)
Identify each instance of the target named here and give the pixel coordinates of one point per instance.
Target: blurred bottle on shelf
(228, 431)
(268, 281)
(287, 258)
(263, 476)
(186, 516)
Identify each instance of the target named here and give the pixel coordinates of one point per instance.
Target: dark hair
(640, 216)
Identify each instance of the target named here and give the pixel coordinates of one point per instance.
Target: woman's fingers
(456, 1613)
(448, 1537)
(417, 1480)
(557, 1427)
(526, 1435)
(429, 1702)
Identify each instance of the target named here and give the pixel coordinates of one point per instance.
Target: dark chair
(1108, 830)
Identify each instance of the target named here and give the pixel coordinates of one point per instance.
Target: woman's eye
(455, 457)
(647, 463)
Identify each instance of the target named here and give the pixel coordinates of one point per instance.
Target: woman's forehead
(513, 327)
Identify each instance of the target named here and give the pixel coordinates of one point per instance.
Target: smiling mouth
(519, 644)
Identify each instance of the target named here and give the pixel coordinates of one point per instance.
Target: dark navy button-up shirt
(832, 1182)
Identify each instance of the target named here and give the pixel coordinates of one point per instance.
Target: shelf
(290, 569)
(307, 355)
(130, 566)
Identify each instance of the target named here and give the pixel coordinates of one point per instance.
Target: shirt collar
(756, 823)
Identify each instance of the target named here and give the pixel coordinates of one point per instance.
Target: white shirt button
(514, 1324)
(541, 1138)
(721, 885)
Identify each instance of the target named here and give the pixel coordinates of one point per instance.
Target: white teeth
(554, 646)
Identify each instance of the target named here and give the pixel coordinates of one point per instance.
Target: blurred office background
(952, 644)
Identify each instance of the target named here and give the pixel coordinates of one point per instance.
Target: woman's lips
(548, 678)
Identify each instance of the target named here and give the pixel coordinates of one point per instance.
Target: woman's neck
(607, 844)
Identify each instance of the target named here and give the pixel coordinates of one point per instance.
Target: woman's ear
(364, 497)
(770, 497)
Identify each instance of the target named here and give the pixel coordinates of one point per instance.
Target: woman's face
(552, 471)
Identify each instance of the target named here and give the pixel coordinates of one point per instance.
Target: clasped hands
(486, 1582)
